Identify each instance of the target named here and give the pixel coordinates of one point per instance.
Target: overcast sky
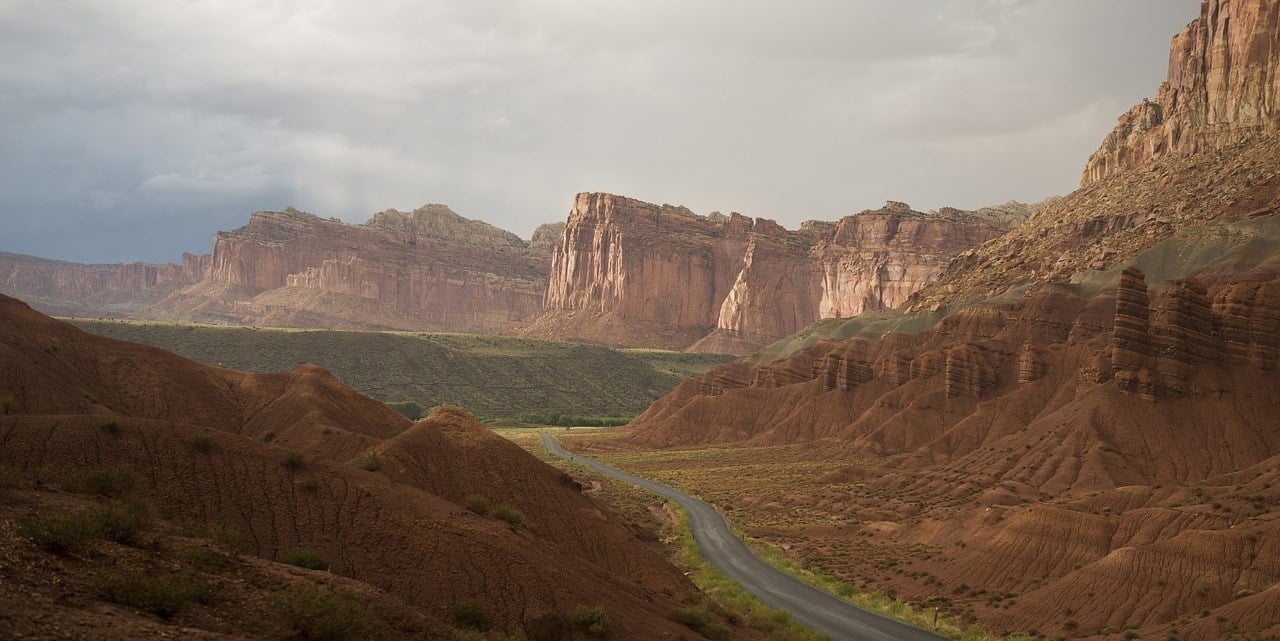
(134, 129)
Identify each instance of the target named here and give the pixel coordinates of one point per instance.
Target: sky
(135, 129)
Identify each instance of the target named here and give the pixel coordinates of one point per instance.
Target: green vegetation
(321, 614)
(108, 482)
(591, 619)
(493, 376)
(304, 558)
(293, 459)
(60, 532)
(477, 504)
(547, 417)
(467, 613)
(513, 517)
(412, 410)
(369, 461)
(202, 442)
(7, 404)
(163, 595)
(727, 598)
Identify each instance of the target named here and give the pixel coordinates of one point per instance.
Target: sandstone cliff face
(1222, 87)
(745, 282)
(429, 269)
(74, 289)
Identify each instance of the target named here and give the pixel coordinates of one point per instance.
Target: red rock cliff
(739, 283)
(429, 269)
(75, 289)
(1222, 87)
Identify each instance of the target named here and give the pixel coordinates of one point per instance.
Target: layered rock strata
(1221, 89)
(745, 282)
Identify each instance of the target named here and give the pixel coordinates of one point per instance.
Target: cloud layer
(132, 130)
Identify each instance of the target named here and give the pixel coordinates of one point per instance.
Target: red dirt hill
(270, 457)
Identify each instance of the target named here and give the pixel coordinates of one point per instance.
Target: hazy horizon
(134, 131)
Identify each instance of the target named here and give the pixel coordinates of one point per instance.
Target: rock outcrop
(743, 282)
(75, 289)
(1222, 88)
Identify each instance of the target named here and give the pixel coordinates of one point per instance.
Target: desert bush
(10, 477)
(411, 409)
(121, 522)
(476, 504)
(269, 436)
(202, 442)
(592, 619)
(8, 405)
(369, 461)
(468, 614)
(111, 427)
(320, 614)
(293, 459)
(111, 483)
(164, 595)
(60, 532)
(513, 517)
(304, 558)
(701, 621)
(226, 535)
(309, 484)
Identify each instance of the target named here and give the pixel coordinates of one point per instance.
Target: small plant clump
(202, 442)
(369, 461)
(591, 619)
(321, 614)
(477, 504)
(514, 518)
(163, 595)
(8, 405)
(304, 558)
(111, 483)
(468, 614)
(61, 532)
(293, 459)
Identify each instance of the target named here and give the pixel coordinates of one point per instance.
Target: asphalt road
(815, 608)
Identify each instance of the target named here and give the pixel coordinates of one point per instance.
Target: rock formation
(75, 289)
(1221, 89)
(742, 282)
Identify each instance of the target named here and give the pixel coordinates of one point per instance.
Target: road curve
(778, 590)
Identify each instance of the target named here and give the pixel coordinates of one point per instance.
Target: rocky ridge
(739, 282)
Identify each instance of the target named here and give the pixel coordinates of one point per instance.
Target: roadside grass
(738, 475)
(491, 376)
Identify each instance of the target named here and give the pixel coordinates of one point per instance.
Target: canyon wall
(1222, 88)
(429, 269)
(740, 282)
(76, 289)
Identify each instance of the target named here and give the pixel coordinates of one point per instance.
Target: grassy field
(491, 376)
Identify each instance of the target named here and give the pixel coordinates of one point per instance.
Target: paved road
(815, 608)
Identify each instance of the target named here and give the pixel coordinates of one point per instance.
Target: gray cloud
(134, 129)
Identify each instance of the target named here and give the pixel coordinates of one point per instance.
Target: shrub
(592, 619)
(9, 477)
(121, 522)
(701, 621)
(293, 459)
(111, 427)
(411, 409)
(269, 437)
(103, 482)
(226, 535)
(202, 443)
(309, 484)
(369, 461)
(320, 614)
(468, 614)
(513, 517)
(8, 405)
(476, 504)
(164, 595)
(304, 558)
(62, 532)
